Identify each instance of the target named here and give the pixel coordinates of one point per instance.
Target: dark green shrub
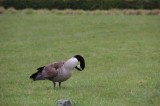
(82, 4)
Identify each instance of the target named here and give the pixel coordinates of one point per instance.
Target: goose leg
(59, 84)
(54, 84)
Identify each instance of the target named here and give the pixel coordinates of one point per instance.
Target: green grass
(122, 59)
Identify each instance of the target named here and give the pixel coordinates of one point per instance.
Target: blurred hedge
(81, 4)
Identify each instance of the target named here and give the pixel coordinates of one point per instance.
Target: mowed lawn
(122, 56)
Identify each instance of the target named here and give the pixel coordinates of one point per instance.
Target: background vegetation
(82, 12)
(81, 4)
(121, 51)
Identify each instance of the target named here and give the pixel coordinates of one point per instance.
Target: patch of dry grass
(28, 11)
(2, 10)
(109, 12)
(10, 10)
(95, 12)
(142, 12)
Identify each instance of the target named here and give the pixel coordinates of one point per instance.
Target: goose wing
(51, 70)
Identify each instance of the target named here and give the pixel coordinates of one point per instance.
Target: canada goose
(59, 71)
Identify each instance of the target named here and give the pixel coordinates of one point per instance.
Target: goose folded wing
(51, 70)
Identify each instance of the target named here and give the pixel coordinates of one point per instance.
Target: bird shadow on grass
(57, 88)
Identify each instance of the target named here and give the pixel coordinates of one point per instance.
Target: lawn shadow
(58, 88)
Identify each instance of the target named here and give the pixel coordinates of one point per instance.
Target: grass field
(122, 59)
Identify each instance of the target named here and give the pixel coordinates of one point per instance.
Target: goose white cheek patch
(79, 67)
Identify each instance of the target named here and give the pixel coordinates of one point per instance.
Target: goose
(59, 71)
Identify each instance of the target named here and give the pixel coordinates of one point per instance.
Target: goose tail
(38, 75)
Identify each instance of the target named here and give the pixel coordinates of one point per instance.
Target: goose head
(73, 63)
(80, 59)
